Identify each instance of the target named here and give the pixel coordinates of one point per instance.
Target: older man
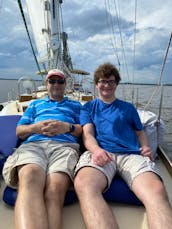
(42, 167)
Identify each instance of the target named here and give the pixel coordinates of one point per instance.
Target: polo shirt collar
(47, 98)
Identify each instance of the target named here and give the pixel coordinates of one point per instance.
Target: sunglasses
(59, 81)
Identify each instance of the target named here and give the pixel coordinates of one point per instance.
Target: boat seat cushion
(10, 195)
(8, 138)
(118, 192)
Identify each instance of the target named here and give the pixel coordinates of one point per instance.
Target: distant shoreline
(18, 79)
(153, 84)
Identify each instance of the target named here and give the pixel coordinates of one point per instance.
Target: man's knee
(156, 191)
(90, 183)
(78, 183)
(30, 175)
(54, 194)
(56, 188)
(159, 190)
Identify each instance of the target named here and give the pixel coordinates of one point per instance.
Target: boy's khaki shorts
(127, 166)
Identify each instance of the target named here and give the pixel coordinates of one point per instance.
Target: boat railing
(26, 89)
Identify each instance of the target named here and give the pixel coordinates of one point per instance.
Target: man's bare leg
(30, 210)
(56, 186)
(150, 190)
(89, 184)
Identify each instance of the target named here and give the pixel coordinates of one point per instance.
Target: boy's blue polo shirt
(115, 124)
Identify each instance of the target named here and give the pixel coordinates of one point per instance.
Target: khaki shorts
(51, 156)
(127, 166)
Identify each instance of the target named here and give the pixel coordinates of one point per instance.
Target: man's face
(56, 87)
(106, 87)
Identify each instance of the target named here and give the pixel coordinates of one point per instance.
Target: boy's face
(106, 87)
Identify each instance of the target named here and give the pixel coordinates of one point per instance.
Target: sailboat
(51, 43)
(53, 52)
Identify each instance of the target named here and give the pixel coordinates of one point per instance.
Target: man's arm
(99, 155)
(58, 127)
(48, 127)
(89, 139)
(24, 131)
(145, 149)
(78, 130)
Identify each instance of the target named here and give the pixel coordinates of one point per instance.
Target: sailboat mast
(55, 32)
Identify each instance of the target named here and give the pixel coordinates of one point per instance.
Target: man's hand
(38, 127)
(101, 157)
(23, 131)
(146, 152)
(53, 127)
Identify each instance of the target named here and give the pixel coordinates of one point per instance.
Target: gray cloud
(90, 41)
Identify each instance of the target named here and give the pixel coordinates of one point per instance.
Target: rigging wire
(119, 16)
(160, 78)
(1, 3)
(24, 20)
(160, 106)
(110, 25)
(121, 39)
(134, 43)
(134, 50)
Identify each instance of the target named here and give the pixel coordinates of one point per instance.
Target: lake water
(138, 94)
(8, 89)
(142, 94)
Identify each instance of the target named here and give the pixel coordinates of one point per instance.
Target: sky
(92, 41)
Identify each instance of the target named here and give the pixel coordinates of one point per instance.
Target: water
(8, 89)
(142, 94)
(138, 94)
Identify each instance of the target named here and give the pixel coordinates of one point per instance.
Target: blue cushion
(70, 198)
(120, 192)
(8, 136)
(10, 195)
(8, 142)
(2, 161)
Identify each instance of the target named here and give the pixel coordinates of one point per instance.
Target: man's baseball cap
(55, 72)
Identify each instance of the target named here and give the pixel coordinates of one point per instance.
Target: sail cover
(47, 29)
(37, 18)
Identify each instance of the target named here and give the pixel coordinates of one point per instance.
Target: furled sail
(50, 40)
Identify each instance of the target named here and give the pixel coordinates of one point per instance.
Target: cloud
(16, 58)
(97, 32)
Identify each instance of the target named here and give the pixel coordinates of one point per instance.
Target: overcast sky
(92, 41)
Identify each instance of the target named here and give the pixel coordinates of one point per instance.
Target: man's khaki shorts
(127, 166)
(51, 156)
